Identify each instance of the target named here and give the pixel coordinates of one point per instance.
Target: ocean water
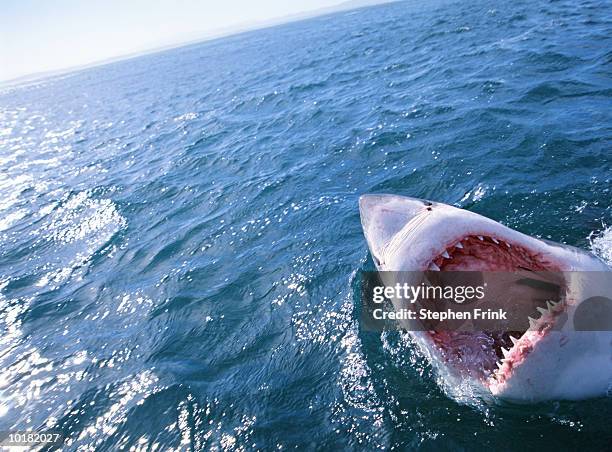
(180, 241)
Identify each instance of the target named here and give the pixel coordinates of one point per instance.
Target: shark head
(550, 360)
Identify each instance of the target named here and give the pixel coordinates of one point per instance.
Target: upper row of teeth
(459, 245)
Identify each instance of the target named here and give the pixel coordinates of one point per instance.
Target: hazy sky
(43, 35)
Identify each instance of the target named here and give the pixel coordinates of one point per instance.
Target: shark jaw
(407, 234)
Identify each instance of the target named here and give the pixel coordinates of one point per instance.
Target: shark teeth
(434, 267)
(542, 310)
(459, 245)
(495, 240)
(532, 322)
(480, 237)
(514, 340)
(445, 255)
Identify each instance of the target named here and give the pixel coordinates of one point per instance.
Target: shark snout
(383, 216)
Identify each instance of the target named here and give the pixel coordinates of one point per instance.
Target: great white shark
(549, 360)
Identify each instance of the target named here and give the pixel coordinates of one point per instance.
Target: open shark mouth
(544, 287)
(489, 356)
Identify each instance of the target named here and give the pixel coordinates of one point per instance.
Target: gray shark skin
(550, 361)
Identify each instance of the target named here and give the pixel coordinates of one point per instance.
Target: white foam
(601, 244)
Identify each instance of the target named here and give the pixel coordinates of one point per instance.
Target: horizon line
(349, 5)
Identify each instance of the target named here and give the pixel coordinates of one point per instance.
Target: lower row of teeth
(534, 324)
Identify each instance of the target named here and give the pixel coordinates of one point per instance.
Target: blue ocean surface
(180, 240)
